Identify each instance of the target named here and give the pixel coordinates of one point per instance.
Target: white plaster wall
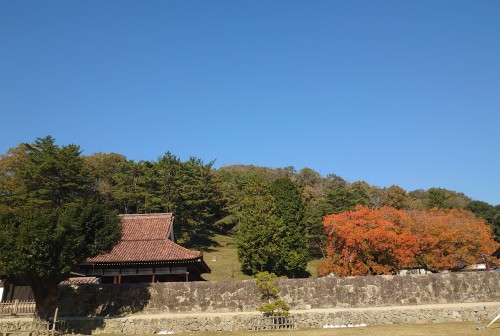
(1, 293)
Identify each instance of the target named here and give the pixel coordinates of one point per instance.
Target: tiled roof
(145, 240)
(80, 281)
(146, 226)
(146, 250)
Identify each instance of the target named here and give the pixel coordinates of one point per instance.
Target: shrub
(272, 303)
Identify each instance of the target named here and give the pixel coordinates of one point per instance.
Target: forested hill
(332, 194)
(205, 199)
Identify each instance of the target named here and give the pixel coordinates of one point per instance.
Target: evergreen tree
(51, 175)
(231, 183)
(272, 303)
(102, 167)
(169, 168)
(488, 212)
(259, 233)
(290, 211)
(342, 199)
(128, 193)
(54, 220)
(200, 201)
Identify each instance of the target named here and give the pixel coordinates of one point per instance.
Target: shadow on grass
(202, 241)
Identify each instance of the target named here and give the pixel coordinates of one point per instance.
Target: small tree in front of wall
(272, 303)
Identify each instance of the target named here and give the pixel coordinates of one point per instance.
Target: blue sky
(390, 92)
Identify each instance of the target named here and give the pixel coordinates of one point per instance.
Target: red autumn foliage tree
(382, 241)
(452, 238)
(366, 241)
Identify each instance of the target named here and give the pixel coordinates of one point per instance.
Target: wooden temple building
(146, 253)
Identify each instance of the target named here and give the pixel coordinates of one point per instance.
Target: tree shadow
(202, 240)
(299, 275)
(83, 308)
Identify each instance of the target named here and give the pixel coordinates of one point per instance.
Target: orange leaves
(452, 238)
(383, 241)
(368, 241)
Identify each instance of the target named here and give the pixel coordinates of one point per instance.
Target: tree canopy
(276, 213)
(289, 210)
(271, 234)
(51, 218)
(385, 240)
(259, 232)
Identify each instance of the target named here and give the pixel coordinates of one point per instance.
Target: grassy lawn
(437, 329)
(223, 260)
(312, 267)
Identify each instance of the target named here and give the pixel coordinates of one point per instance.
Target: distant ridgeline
(215, 195)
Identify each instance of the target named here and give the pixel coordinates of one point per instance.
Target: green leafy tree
(187, 189)
(315, 231)
(101, 168)
(342, 199)
(496, 223)
(488, 212)
(128, 193)
(395, 197)
(437, 198)
(200, 204)
(54, 220)
(445, 199)
(169, 168)
(231, 183)
(258, 231)
(289, 209)
(10, 163)
(47, 174)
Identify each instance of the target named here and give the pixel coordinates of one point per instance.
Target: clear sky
(389, 92)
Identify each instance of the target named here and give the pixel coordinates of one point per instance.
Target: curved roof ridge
(148, 215)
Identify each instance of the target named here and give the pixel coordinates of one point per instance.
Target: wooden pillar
(119, 279)
(187, 276)
(153, 278)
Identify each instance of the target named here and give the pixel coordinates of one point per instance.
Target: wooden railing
(17, 307)
(273, 322)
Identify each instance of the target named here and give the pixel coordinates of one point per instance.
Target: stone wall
(189, 322)
(231, 305)
(178, 323)
(242, 296)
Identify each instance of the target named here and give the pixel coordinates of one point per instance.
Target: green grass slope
(222, 258)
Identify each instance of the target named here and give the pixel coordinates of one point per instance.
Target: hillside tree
(368, 241)
(52, 219)
(259, 232)
(289, 209)
(382, 241)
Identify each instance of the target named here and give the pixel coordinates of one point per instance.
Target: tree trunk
(46, 294)
(320, 246)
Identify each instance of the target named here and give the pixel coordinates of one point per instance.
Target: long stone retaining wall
(231, 305)
(189, 322)
(243, 296)
(218, 321)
